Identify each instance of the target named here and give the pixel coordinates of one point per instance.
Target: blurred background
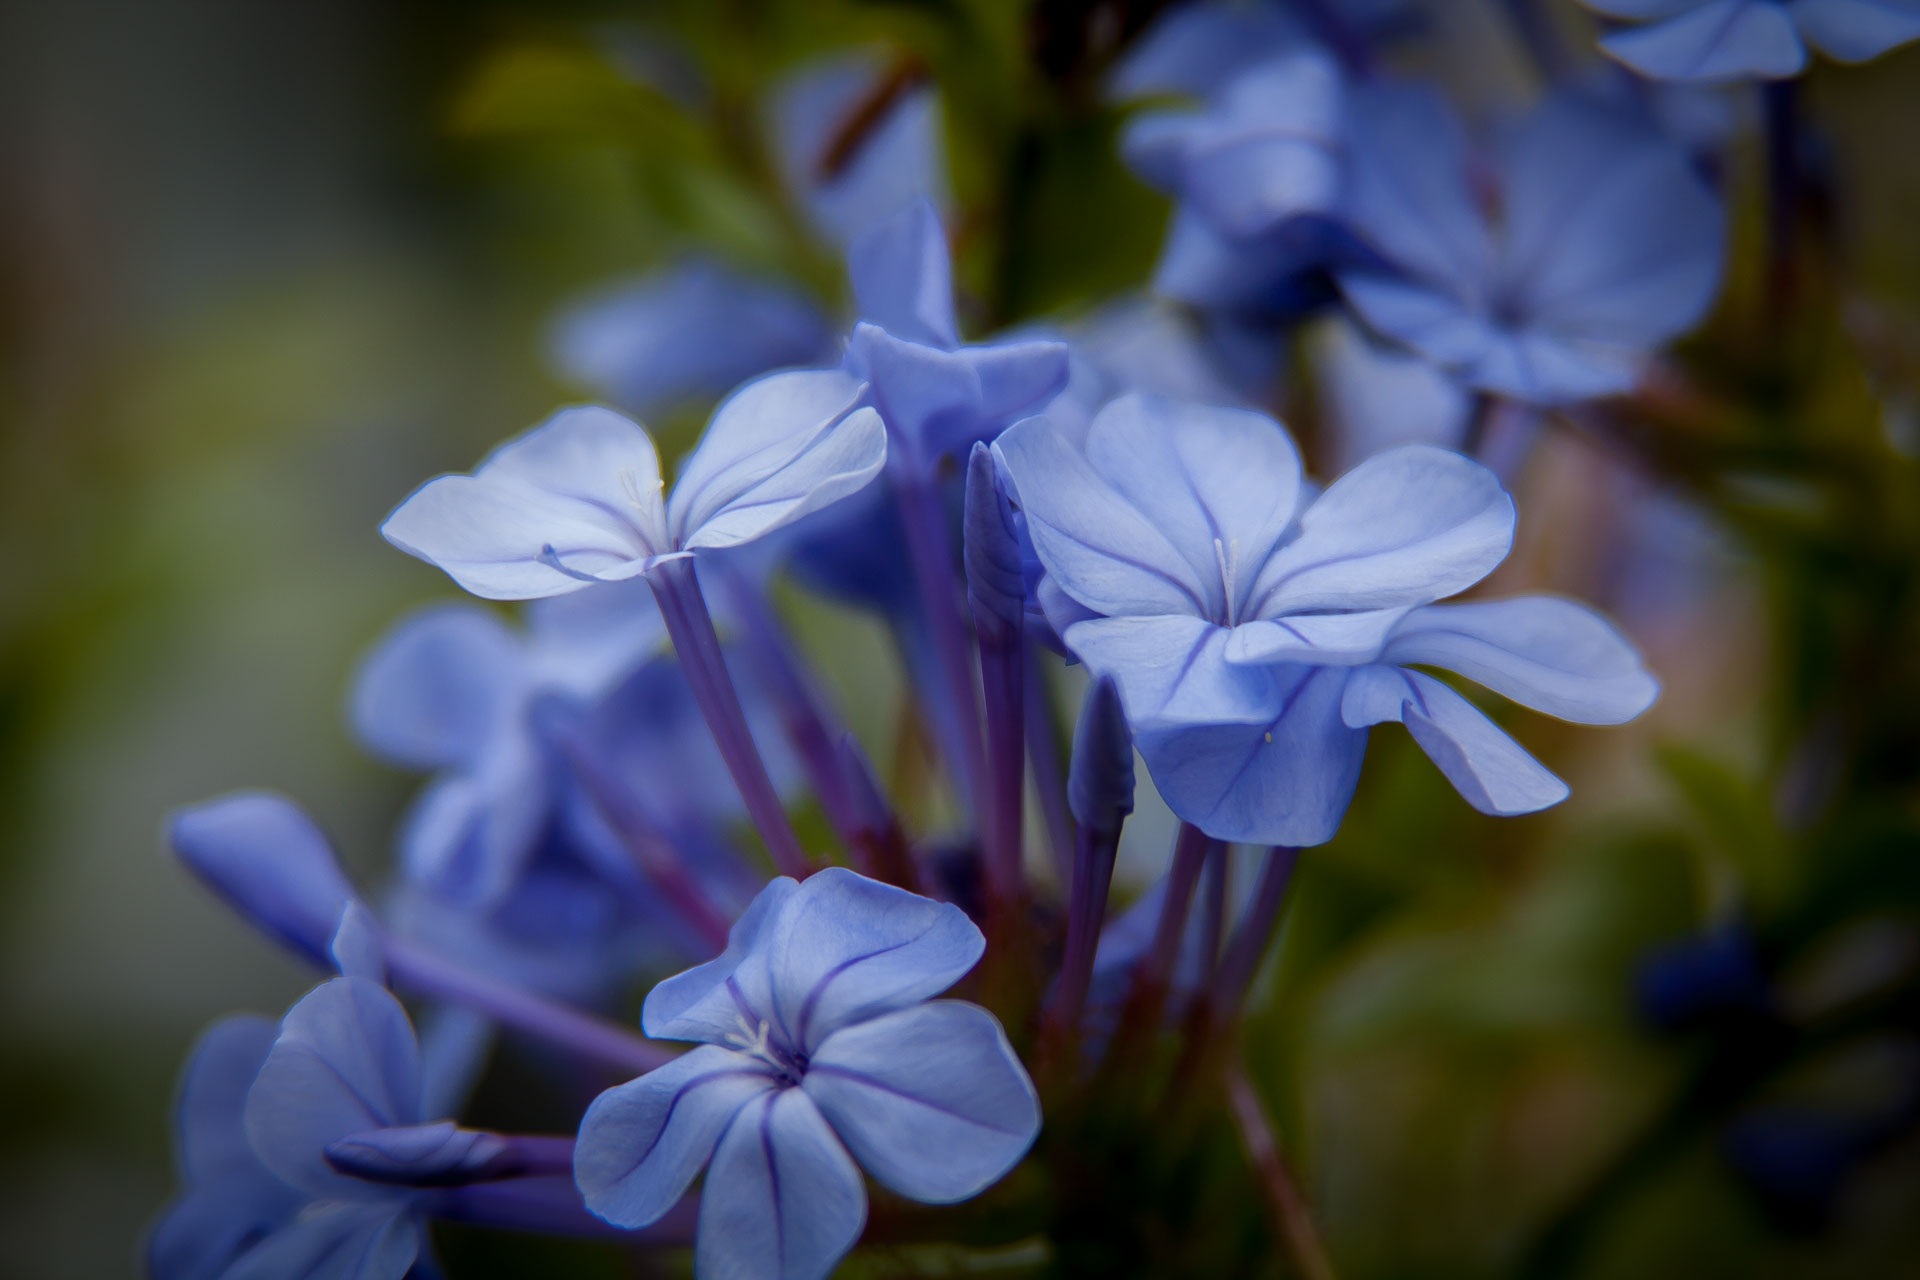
(263, 268)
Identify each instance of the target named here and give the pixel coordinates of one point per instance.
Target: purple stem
(1293, 1220)
(923, 517)
(1250, 940)
(1049, 768)
(1093, 856)
(658, 859)
(1001, 677)
(430, 974)
(809, 725)
(676, 585)
(879, 846)
(552, 1206)
(1153, 974)
(1213, 903)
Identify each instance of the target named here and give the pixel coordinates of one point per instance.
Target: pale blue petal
(1536, 367)
(1408, 526)
(268, 861)
(642, 1144)
(470, 835)
(1409, 195)
(435, 687)
(1202, 266)
(1098, 549)
(1285, 779)
(1016, 379)
(931, 1100)
(1173, 670)
(697, 1004)
(899, 159)
(455, 1043)
(1194, 48)
(845, 948)
(903, 278)
(1220, 484)
(1541, 651)
(335, 1240)
(1378, 397)
(1332, 639)
(1433, 321)
(1856, 30)
(927, 396)
(1643, 9)
(586, 642)
(778, 448)
(574, 499)
(1720, 40)
(358, 950)
(345, 1062)
(1491, 771)
(689, 332)
(1611, 234)
(783, 1200)
(1155, 145)
(1270, 148)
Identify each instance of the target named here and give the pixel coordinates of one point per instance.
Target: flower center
(756, 1041)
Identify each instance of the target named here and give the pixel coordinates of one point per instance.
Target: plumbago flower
(580, 500)
(1606, 245)
(1722, 40)
(819, 1048)
(1256, 632)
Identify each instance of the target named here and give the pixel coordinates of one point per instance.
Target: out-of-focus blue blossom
(1698, 981)
(1720, 40)
(936, 396)
(1377, 396)
(579, 499)
(688, 332)
(264, 857)
(1605, 246)
(820, 1048)
(1255, 635)
(231, 1202)
(897, 160)
(1194, 48)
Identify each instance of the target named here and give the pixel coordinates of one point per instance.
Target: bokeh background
(265, 267)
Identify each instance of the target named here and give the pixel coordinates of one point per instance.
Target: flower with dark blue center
(1255, 632)
(1723, 40)
(1600, 244)
(579, 499)
(821, 1047)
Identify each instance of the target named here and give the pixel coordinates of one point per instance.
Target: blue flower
(1255, 632)
(579, 499)
(258, 1111)
(1607, 245)
(1720, 40)
(936, 396)
(687, 332)
(819, 1048)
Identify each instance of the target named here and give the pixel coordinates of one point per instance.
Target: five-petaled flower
(820, 1047)
(1256, 631)
(579, 499)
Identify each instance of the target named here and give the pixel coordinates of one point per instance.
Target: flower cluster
(641, 776)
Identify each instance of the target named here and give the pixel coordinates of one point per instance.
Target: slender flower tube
(996, 593)
(1101, 790)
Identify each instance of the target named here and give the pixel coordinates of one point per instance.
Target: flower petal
(1220, 484)
(576, 498)
(1405, 527)
(1330, 639)
(903, 276)
(1856, 30)
(845, 948)
(1285, 779)
(268, 861)
(1174, 671)
(1269, 149)
(1490, 770)
(642, 1143)
(1409, 196)
(1722, 40)
(1541, 651)
(783, 1200)
(1094, 544)
(434, 689)
(336, 1240)
(696, 1005)
(931, 1100)
(345, 1062)
(778, 448)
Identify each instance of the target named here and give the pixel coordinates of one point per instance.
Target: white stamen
(1228, 557)
(755, 1041)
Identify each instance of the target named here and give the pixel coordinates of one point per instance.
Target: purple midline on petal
(874, 1082)
(688, 1087)
(819, 988)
